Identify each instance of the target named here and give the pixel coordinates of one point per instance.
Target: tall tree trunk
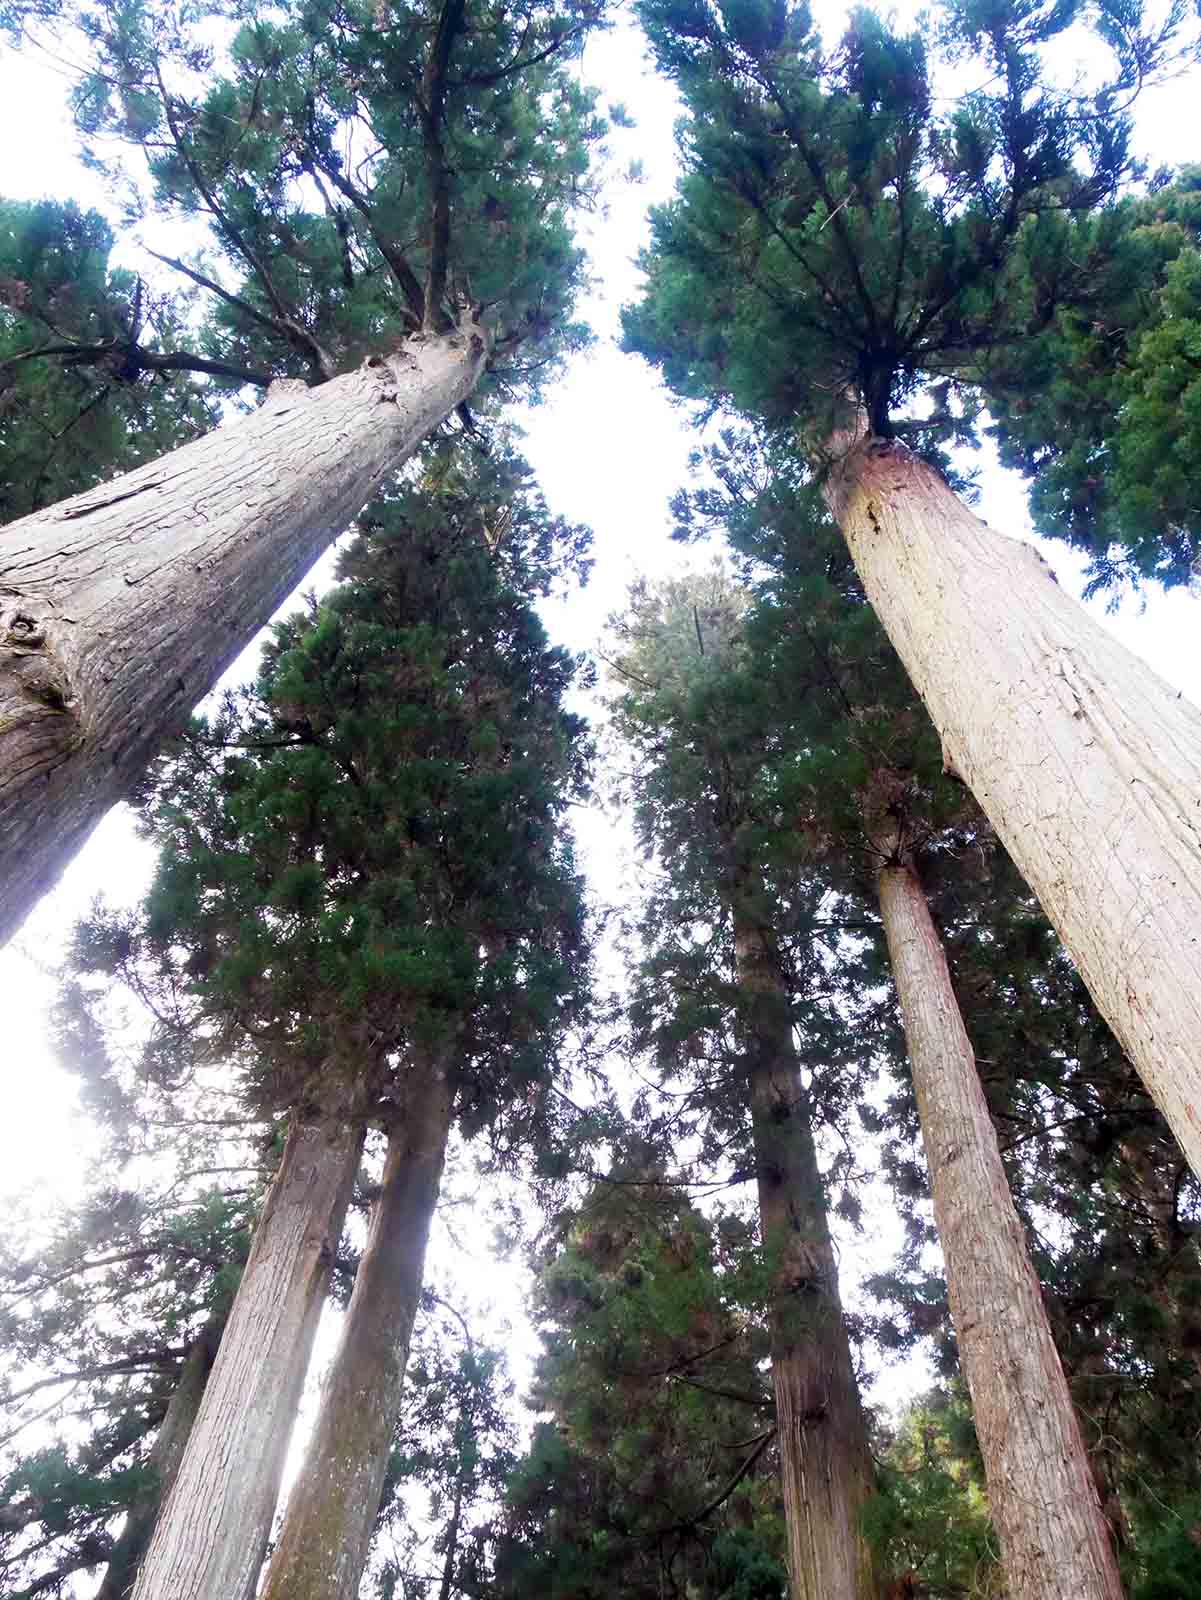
(826, 1466)
(1086, 763)
(326, 1533)
(1055, 1543)
(163, 1462)
(212, 1534)
(121, 607)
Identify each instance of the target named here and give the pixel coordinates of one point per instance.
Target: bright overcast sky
(609, 450)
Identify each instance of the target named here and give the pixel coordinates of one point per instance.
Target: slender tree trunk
(330, 1514)
(163, 1461)
(1055, 1542)
(1086, 763)
(826, 1466)
(121, 607)
(212, 1535)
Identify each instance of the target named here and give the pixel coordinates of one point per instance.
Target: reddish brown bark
(826, 1466)
(1055, 1542)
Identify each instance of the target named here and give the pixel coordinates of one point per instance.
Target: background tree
(656, 1470)
(452, 1456)
(111, 1310)
(731, 977)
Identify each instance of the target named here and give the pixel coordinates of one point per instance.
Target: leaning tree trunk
(212, 1534)
(163, 1461)
(1055, 1542)
(326, 1534)
(825, 1462)
(1086, 763)
(121, 607)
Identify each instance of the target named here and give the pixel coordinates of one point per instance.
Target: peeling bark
(212, 1535)
(826, 1466)
(326, 1534)
(1086, 763)
(121, 607)
(1055, 1542)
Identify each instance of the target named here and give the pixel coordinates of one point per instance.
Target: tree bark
(1086, 763)
(212, 1535)
(121, 607)
(163, 1462)
(826, 1466)
(1055, 1543)
(326, 1534)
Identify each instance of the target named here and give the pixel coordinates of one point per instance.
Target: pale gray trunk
(212, 1534)
(163, 1462)
(1086, 763)
(121, 607)
(825, 1464)
(326, 1534)
(1055, 1543)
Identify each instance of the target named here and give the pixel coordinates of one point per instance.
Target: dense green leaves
(655, 1467)
(844, 232)
(362, 175)
(90, 370)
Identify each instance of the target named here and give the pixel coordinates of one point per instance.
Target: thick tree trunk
(1055, 1543)
(326, 1533)
(826, 1466)
(212, 1535)
(121, 607)
(1087, 764)
(163, 1462)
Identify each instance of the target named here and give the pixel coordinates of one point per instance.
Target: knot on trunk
(28, 669)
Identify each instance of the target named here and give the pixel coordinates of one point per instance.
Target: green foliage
(362, 174)
(455, 1448)
(843, 233)
(363, 856)
(1171, 1558)
(103, 1302)
(106, 402)
(929, 1522)
(655, 1467)
(1102, 409)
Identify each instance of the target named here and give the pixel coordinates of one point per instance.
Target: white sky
(609, 449)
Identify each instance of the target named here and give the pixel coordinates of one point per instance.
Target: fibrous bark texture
(163, 1462)
(212, 1534)
(1055, 1543)
(1086, 763)
(825, 1463)
(121, 607)
(326, 1533)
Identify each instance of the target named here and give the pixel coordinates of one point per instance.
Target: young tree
(397, 201)
(728, 979)
(656, 1469)
(364, 868)
(840, 247)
